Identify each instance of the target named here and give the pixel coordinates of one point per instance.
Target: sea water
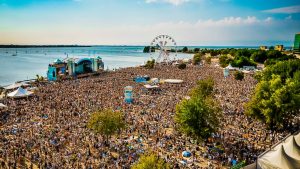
(18, 64)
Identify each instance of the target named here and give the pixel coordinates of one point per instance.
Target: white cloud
(173, 2)
(225, 31)
(285, 10)
(233, 21)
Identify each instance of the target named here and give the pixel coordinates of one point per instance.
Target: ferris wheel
(167, 47)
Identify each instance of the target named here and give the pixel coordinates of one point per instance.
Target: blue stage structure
(73, 67)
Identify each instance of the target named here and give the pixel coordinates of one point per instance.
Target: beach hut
(20, 93)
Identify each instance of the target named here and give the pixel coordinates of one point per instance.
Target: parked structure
(297, 43)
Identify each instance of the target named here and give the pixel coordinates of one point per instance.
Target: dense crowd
(48, 130)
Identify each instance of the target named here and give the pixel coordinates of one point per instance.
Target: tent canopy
(150, 87)
(19, 93)
(285, 155)
(173, 81)
(230, 67)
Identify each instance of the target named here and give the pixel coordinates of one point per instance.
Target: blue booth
(128, 94)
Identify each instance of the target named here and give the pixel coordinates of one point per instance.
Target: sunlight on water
(26, 63)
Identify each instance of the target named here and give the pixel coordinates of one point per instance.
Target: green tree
(198, 116)
(197, 58)
(106, 122)
(224, 60)
(214, 52)
(241, 61)
(244, 52)
(238, 75)
(150, 64)
(204, 88)
(208, 59)
(146, 49)
(196, 50)
(259, 56)
(39, 78)
(150, 161)
(276, 100)
(185, 49)
(274, 54)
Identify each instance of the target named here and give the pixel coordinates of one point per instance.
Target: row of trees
(148, 49)
(246, 57)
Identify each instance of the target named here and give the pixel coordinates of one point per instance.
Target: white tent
(285, 155)
(15, 85)
(19, 93)
(151, 87)
(173, 81)
(230, 67)
(154, 80)
(2, 105)
(186, 60)
(297, 139)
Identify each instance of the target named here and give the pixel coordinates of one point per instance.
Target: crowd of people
(48, 130)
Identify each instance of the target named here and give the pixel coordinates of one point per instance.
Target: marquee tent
(20, 93)
(285, 155)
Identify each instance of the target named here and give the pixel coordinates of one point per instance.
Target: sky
(138, 22)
